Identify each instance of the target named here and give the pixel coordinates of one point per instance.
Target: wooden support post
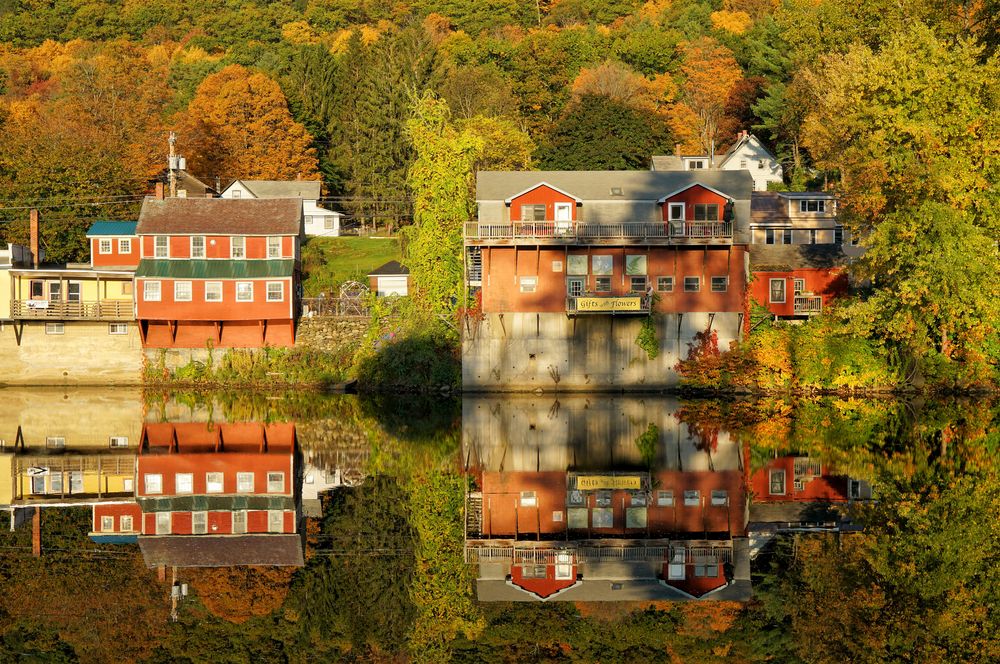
(36, 533)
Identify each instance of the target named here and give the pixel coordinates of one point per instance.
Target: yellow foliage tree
(734, 22)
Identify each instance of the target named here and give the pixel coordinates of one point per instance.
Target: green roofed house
(219, 272)
(113, 245)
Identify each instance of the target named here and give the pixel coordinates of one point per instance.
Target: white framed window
(275, 291)
(107, 524)
(163, 523)
(55, 328)
(239, 522)
(197, 246)
(529, 284)
(161, 246)
(214, 483)
(213, 291)
(55, 441)
(533, 212)
(244, 482)
(743, 164)
(720, 284)
(812, 236)
(696, 164)
(812, 206)
(55, 483)
(104, 245)
(327, 223)
(601, 264)
(529, 499)
(118, 328)
(786, 236)
(692, 284)
(275, 521)
(798, 286)
(720, 497)
(777, 288)
(776, 482)
(153, 483)
(182, 291)
(124, 245)
(557, 266)
(692, 498)
(244, 291)
(636, 284)
(38, 484)
(125, 524)
(237, 246)
(151, 291)
(769, 237)
(184, 483)
(236, 193)
(275, 482)
(665, 498)
(118, 441)
(574, 285)
(665, 284)
(127, 486)
(199, 523)
(676, 211)
(274, 247)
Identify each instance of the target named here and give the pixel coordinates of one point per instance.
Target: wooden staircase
(474, 515)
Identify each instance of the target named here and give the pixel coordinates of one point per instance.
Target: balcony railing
(491, 553)
(72, 310)
(808, 305)
(588, 231)
(607, 304)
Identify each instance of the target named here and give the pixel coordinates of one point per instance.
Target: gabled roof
(597, 185)
(693, 184)
(744, 139)
(788, 257)
(214, 269)
(115, 228)
(542, 184)
(309, 189)
(390, 269)
(222, 550)
(223, 216)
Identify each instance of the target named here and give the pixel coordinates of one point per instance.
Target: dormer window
(617, 191)
(695, 164)
(812, 205)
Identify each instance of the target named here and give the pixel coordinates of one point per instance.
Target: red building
(792, 478)
(113, 245)
(218, 272)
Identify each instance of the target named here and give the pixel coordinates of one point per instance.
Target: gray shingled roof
(223, 216)
(221, 550)
(309, 189)
(392, 268)
(784, 257)
(597, 185)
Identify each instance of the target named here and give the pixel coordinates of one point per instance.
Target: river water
(303, 527)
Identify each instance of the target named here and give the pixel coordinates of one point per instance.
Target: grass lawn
(329, 261)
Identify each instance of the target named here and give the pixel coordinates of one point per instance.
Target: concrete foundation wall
(84, 354)
(553, 352)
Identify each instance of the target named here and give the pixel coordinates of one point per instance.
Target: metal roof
(222, 216)
(597, 185)
(215, 503)
(117, 228)
(214, 269)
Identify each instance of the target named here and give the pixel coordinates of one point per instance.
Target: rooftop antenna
(172, 164)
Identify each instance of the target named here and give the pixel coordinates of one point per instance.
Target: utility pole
(171, 164)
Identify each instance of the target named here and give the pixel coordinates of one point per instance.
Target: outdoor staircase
(474, 515)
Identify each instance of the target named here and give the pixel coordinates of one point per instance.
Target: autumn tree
(710, 72)
(237, 594)
(619, 82)
(238, 126)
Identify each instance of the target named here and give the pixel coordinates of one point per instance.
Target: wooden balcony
(808, 305)
(656, 550)
(595, 232)
(608, 304)
(110, 310)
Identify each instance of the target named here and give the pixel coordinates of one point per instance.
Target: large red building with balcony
(217, 272)
(565, 262)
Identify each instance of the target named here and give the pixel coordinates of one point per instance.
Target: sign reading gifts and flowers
(633, 303)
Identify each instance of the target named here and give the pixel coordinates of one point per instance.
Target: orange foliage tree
(238, 126)
(621, 83)
(710, 72)
(237, 594)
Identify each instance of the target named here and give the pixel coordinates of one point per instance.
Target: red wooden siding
(115, 258)
(826, 487)
(234, 334)
(828, 283)
(695, 585)
(541, 195)
(542, 587)
(218, 246)
(218, 523)
(692, 196)
(227, 310)
(117, 511)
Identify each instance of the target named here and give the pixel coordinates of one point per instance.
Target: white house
(316, 221)
(390, 279)
(746, 154)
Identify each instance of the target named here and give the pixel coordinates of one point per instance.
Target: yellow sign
(592, 482)
(609, 304)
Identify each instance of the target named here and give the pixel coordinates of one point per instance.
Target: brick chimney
(677, 149)
(159, 191)
(33, 236)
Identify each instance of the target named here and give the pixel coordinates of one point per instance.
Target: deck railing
(329, 307)
(486, 553)
(72, 310)
(808, 305)
(584, 231)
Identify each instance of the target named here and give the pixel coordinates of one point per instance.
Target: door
(675, 570)
(676, 212)
(800, 286)
(564, 217)
(574, 286)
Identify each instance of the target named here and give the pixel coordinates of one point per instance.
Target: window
(117, 328)
(197, 246)
(237, 247)
(812, 206)
(328, 223)
(743, 163)
(855, 239)
(104, 246)
(275, 482)
(706, 212)
(786, 236)
(760, 164)
(710, 570)
(244, 482)
(213, 291)
(692, 284)
(720, 284)
(37, 290)
(126, 288)
(275, 291)
(529, 284)
(576, 265)
(55, 441)
(73, 291)
(574, 286)
(602, 284)
(275, 521)
(533, 212)
(557, 266)
(838, 235)
(163, 523)
(274, 247)
(199, 523)
(153, 483)
(239, 522)
(184, 483)
(665, 284)
(676, 212)
(769, 236)
(118, 441)
(529, 499)
(635, 264)
(776, 480)
(720, 497)
(665, 498)
(798, 286)
(107, 524)
(696, 164)
(601, 264)
(151, 291)
(38, 484)
(161, 246)
(692, 498)
(213, 483)
(812, 236)
(55, 291)
(182, 291)
(127, 485)
(637, 284)
(124, 246)
(125, 524)
(56, 483)
(244, 291)
(777, 291)
(55, 328)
